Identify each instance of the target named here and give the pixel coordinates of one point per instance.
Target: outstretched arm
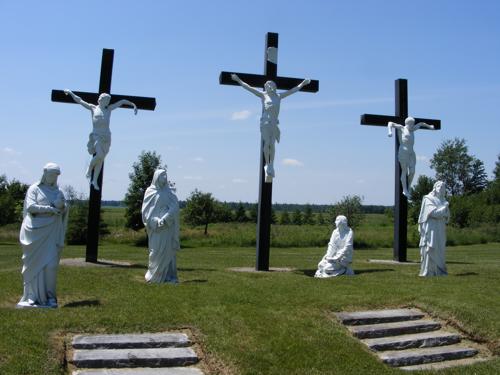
(423, 125)
(119, 103)
(295, 89)
(246, 86)
(78, 100)
(392, 125)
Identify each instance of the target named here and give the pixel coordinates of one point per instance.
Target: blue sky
(208, 134)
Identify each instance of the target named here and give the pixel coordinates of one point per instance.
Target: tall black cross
(90, 97)
(266, 189)
(400, 202)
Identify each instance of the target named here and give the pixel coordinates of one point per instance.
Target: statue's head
(439, 189)
(51, 172)
(270, 86)
(160, 178)
(341, 222)
(410, 121)
(104, 100)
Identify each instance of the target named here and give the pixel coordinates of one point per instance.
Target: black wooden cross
(400, 202)
(265, 191)
(90, 97)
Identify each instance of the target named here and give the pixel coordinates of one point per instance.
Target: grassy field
(247, 323)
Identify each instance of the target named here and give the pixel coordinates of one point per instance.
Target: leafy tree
(496, 171)
(461, 172)
(308, 215)
(241, 214)
(11, 200)
(284, 218)
(201, 209)
(320, 219)
(140, 178)
(224, 213)
(350, 207)
(253, 213)
(274, 219)
(297, 217)
(423, 186)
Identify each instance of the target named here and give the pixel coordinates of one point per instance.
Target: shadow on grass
(196, 269)
(454, 262)
(467, 274)
(194, 281)
(119, 265)
(311, 273)
(84, 303)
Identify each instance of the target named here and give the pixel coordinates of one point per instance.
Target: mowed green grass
(251, 323)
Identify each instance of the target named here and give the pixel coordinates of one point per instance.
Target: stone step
(143, 340)
(393, 329)
(157, 357)
(142, 371)
(379, 316)
(420, 356)
(444, 365)
(415, 340)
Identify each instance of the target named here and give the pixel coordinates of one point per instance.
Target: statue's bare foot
(407, 194)
(269, 172)
(95, 185)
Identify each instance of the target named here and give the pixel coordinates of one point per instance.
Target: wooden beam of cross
(265, 190)
(400, 201)
(89, 97)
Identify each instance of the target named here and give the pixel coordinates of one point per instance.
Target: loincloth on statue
(99, 142)
(406, 156)
(270, 131)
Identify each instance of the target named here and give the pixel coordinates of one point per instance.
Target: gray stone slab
(393, 329)
(393, 262)
(142, 371)
(420, 356)
(142, 340)
(378, 316)
(416, 340)
(443, 365)
(157, 357)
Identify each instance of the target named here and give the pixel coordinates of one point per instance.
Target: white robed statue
(42, 239)
(160, 215)
(434, 214)
(338, 258)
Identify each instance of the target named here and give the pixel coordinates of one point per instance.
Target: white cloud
(196, 178)
(199, 159)
(241, 115)
(422, 158)
(292, 162)
(239, 181)
(10, 151)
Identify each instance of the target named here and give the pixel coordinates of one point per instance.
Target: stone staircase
(405, 338)
(135, 354)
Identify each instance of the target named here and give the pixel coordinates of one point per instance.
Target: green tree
(224, 213)
(140, 178)
(496, 171)
(241, 214)
(461, 172)
(320, 219)
(11, 200)
(350, 207)
(284, 218)
(308, 215)
(423, 186)
(274, 218)
(201, 209)
(253, 213)
(297, 217)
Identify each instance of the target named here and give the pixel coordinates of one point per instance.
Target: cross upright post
(266, 188)
(95, 195)
(400, 200)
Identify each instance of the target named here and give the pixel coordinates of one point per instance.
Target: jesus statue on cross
(269, 129)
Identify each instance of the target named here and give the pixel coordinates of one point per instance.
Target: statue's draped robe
(42, 239)
(338, 258)
(163, 241)
(434, 214)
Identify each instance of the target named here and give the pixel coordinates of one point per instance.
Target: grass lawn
(266, 323)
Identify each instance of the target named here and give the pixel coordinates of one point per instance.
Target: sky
(208, 134)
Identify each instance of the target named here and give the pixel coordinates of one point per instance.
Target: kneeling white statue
(42, 233)
(160, 215)
(338, 258)
(434, 214)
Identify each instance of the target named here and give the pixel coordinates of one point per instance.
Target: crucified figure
(100, 138)
(406, 154)
(269, 129)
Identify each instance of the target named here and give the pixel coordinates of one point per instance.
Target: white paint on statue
(45, 217)
(434, 214)
(406, 154)
(160, 215)
(269, 130)
(338, 258)
(100, 138)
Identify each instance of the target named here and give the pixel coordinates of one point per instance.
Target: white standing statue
(434, 215)
(338, 258)
(269, 129)
(160, 215)
(100, 138)
(406, 154)
(42, 239)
